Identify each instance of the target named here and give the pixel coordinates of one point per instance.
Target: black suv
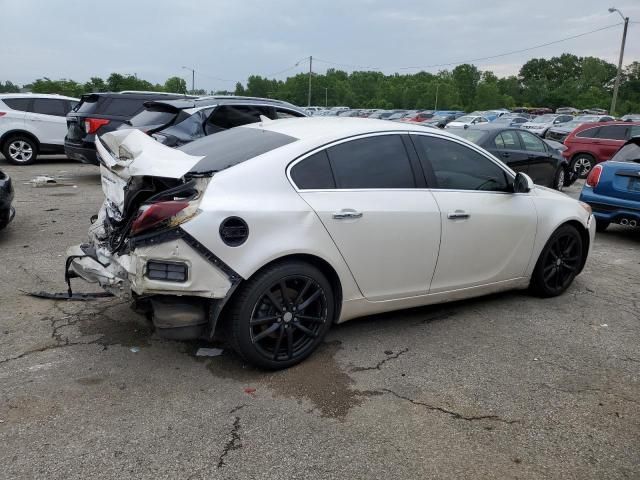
(99, 113)
(176, 122)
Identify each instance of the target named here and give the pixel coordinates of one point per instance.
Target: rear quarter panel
(280, 222)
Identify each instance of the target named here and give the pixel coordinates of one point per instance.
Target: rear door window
(531, 143)
(123, 107)
(20, 104)
(314, 172)
(50, 106)
(373, 162)
(507, 141)
(613, 132)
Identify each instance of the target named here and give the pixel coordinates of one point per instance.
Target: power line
(436, 65)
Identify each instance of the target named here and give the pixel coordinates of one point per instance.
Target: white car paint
(403, 252)
(467, 120)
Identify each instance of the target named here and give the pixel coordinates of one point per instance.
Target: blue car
(613, 188)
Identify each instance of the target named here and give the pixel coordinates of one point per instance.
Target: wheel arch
(581, 152)
(584, 235)
(16, 132)
(321, 264)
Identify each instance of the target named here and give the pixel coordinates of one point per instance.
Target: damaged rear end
(136, 248)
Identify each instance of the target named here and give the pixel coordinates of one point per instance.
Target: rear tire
(20, 150)
(559, 262)
(582, 164)
(281, 315)
(559, 179)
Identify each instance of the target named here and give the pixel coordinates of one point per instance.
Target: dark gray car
(177, 122)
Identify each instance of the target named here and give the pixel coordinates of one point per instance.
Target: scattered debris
(52, 209)
(604, 325)
(209, 352)
(43, 181)
(536, 359)
(250, 391)
(66, 296)
(134, 349)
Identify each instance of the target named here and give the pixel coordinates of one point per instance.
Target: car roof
(183, 104)
(334, 128)
(36, 95)
(588, 125)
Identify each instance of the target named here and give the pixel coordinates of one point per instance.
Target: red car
(593, 143)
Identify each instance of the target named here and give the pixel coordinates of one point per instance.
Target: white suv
(32, 124)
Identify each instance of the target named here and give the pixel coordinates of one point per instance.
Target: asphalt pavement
(507, 386)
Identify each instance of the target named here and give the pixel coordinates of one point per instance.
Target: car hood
(456, 124)
(536, 125)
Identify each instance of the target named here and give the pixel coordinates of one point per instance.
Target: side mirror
(522, 183)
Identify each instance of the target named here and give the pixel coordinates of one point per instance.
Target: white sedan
(467, 121)
(279, 229)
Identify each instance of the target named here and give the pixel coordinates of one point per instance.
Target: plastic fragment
(134, 349)
(209, 352)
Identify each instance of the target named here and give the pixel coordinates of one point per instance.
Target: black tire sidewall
(34, 148)
(537, 279)
(248, 296)
(556, 184)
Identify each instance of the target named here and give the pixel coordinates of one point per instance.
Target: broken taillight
(91, 125)
(162, 214)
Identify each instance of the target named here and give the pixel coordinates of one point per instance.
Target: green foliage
(175, 84)
(567, 80)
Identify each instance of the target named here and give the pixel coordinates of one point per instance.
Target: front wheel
(281, 315)
(582, 164)
(558, 263)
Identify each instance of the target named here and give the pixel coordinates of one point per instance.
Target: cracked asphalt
(509, 386)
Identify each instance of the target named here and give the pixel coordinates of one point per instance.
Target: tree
(466, 78)
(175, 85)
(9, 87)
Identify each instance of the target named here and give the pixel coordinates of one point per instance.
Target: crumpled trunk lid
(133, 168)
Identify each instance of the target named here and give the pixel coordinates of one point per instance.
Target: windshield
(475, 136)
(544, 119)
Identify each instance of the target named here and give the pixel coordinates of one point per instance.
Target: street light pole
(619, 74)
(437, 88)
(310, 74)
(326, 97)
(193, 78)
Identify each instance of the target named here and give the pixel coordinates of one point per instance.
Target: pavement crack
(379, 365)
(451, 413)
(234, 442)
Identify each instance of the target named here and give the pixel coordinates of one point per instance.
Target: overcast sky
(231, 39)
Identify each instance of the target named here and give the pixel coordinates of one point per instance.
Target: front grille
(167, 271)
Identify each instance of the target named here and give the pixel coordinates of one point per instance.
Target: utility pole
(435, 107)
(619, 74)
(193, 78)
(310, 74)
(326, 97)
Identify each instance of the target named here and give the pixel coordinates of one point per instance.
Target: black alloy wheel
(559, 262)
(282, 315)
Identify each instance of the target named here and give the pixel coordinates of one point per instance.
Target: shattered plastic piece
(250, 391)
(536, 359)
(134, 349)
(66, 296)
(604, 325)
(209, 352)
(43, 181)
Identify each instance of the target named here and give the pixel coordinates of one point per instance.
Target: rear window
(123, 107)
(153, 116)
(613, 132)
(628, 153)
(20, 104)
(88, 104)
(234, 146)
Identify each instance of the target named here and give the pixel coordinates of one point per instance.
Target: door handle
(458, 215)
(347, 214)
(506, 154)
